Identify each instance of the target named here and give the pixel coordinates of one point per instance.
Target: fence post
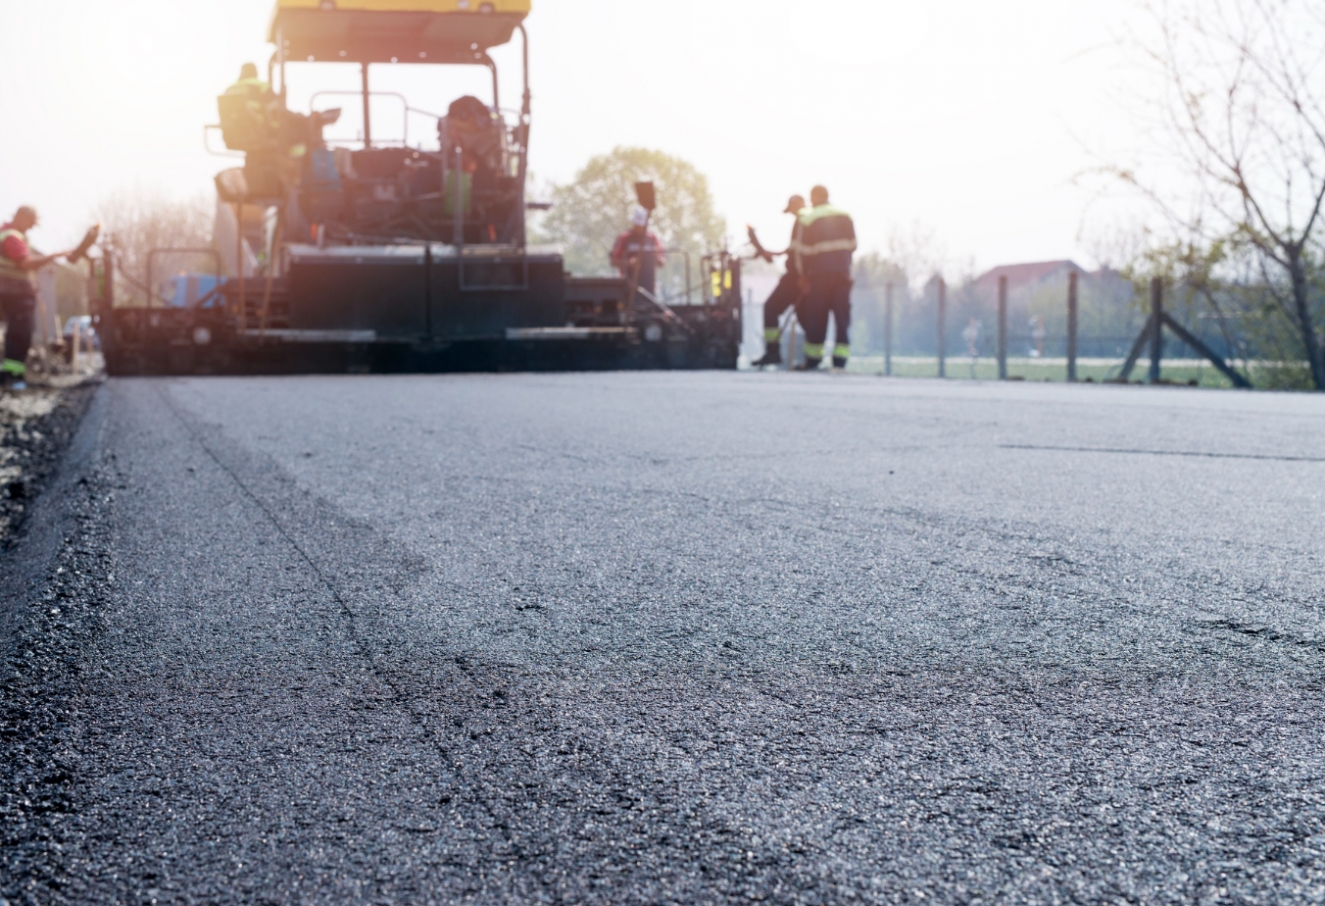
(888, 329)
(1156, 327)
(1002, 328)
(1072, 326)
(943, 347)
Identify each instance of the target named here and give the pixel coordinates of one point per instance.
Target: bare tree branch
(1241, 87)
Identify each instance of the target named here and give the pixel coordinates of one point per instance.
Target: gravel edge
(59, 564)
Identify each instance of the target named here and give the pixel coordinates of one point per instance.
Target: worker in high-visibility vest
(18, 293)
(249, 81)
(639, 250)
(276, 140)
(823, 255)
(260, 104)
(787, 294)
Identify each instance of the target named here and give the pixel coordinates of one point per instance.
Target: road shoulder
(48, 445)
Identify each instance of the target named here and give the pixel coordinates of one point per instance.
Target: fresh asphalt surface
(672, 638)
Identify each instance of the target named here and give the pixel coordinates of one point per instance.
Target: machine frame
(431, 291)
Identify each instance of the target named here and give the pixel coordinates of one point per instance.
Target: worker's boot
(841, 352)
(772, 348)
(839, 362)
(12, 375)
(809, 365)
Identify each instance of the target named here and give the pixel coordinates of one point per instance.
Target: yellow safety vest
(247, 86)
(259, 100)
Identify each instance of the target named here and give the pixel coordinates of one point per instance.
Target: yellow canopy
(388, 31)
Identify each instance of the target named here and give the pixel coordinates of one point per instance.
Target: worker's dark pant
(18, 310)
(828, 293)
(787, 294)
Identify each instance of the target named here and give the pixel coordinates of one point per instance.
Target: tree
(588, 213)
(1242, 91)
(137, 221)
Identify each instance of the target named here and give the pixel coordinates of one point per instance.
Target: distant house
(1037, 301)
(1026, 276)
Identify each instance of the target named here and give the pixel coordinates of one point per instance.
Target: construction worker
(787, 294)
(639, 247)
(276, 140)
(249, 81)
(256, 118)
(18, 293)
(823, 258)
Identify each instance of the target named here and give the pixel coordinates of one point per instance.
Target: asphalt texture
(670, 638)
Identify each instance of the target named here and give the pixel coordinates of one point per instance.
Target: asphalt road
(671, 638)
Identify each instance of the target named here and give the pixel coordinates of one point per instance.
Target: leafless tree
(919, 252)
(1242, 84)
(136, 221)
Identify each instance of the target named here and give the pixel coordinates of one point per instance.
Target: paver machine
(399, 254)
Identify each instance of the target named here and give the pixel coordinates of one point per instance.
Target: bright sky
(967, 116)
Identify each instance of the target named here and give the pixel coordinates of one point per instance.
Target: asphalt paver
(671, 638)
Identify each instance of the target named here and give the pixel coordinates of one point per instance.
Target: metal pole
(108, 280)
(457, 199)
(458, 216)
(888, 329)
(943, 346)
(427, 287)
(103, 312)
(1201, 349)
(1002, 328)
(272, 255)
(1156, 327)
(525, 125)
(367, 113)
(1072, 326)
(239, 264)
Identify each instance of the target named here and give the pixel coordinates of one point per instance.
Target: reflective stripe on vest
(808, 216)
(8, 267)
(830, 245)
(825, 229)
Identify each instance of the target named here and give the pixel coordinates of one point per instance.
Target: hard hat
(795, 204)
(639, 217)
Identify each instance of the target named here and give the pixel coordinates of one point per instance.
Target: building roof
(1020, 275)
